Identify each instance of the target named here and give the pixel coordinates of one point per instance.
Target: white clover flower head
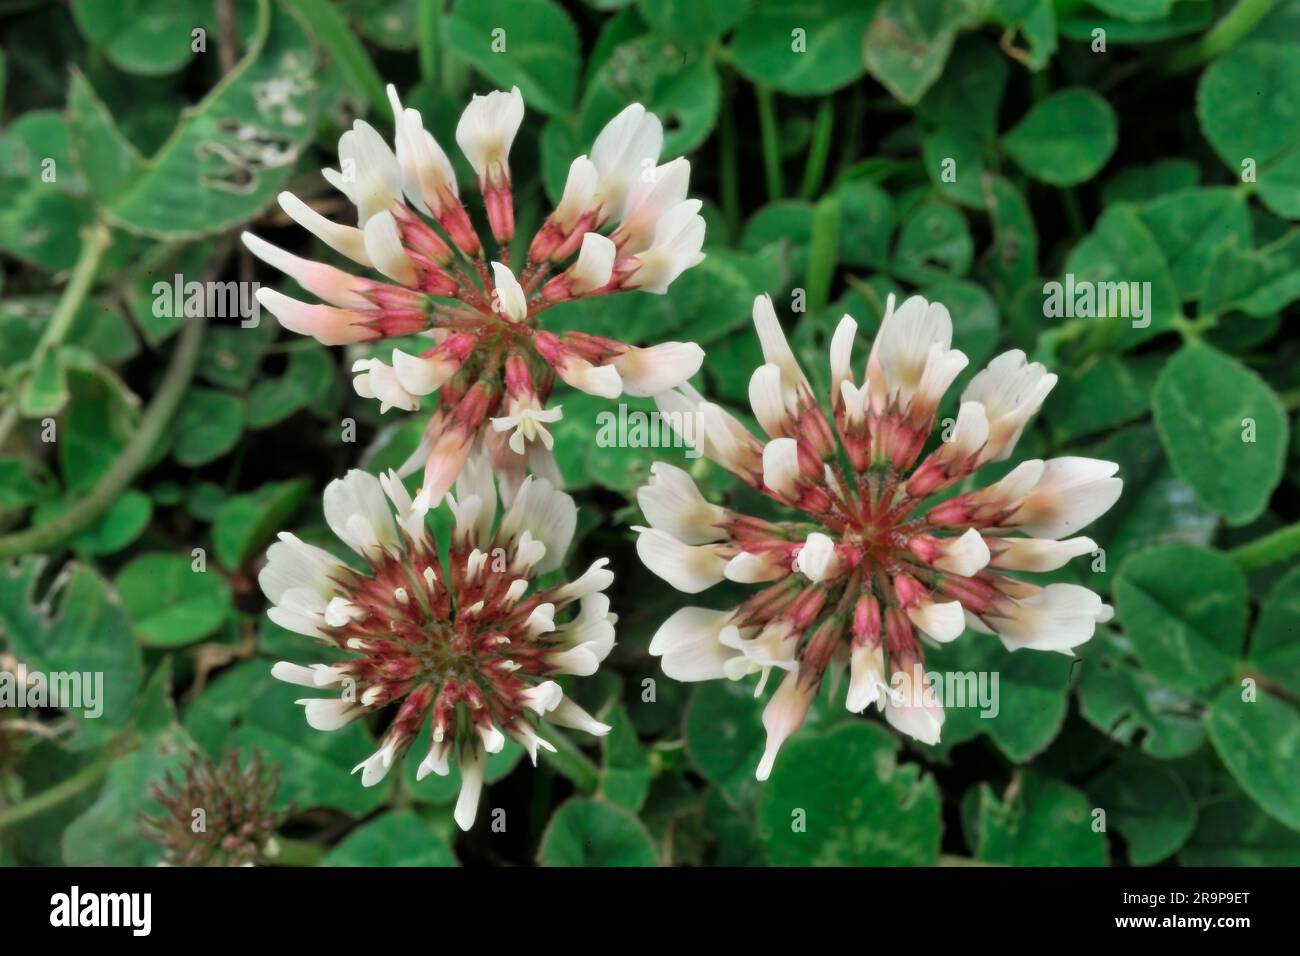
(453, 644)
(874, 567)
(613, 231)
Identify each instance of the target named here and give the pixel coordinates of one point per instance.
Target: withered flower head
(216, 814)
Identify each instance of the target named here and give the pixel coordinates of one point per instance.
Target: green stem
(851, 138)
(569, 761)
(430, 29)
(95, 243)
(297, 853)
(1239, 21)
(455, 73)
(823, 252)
(335, 34)
(771, 143)
(8, 418)
(1073, 211)
(727, 168)
(132, 458)
(1194, 330)
(1271, 548)
(63, 790)
(819, 149)
(97, 240)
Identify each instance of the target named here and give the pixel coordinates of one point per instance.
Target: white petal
(1072, 493)
(371, 176)
(768, 400)
(867, 684)
(600, 380)
(678, 239)
(842, 353)
(580, 661)
(776, 350)
(688, 568)
(384, 246)
(817, 559)
(595, 578)
(673, 504)
(357, 511)
(689, 645)
(903, 347)
(783, 715)
(750, 568)
(476, 481)
(487, 130)
(472, 765)
(335, 286)
(965, 555)
(943, 621)
(291, 563)
(579, 194)
(913, 708)
(381, 382)
(510, 298)
(1011, 391)
(654, 191)
(330, 713)
(969, 433)
(420, 376)
(347, 241)
(375, 767)
(568, 714)
(547, 514)
(436, 761)
(1013, 487)
(1057, 617)
(628, 144)
(1039, 554)
(594, 265)
(781, 466)
(426, 170)
(294, 674)
(542, 698)
(650, 371)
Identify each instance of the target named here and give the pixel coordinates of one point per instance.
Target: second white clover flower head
(877, 564)
(453, 645)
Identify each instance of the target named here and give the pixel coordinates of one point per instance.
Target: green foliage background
(821, 171)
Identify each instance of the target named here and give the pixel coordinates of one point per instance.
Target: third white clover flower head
(454, 644)
(875, 566)
(615, 229)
